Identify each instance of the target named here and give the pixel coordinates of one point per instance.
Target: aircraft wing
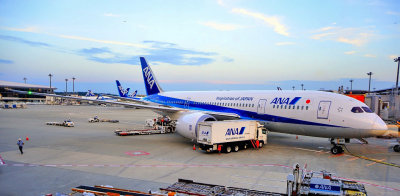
(159, 108)
(137, 100)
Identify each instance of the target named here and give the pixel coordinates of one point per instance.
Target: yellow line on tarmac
(371, 159)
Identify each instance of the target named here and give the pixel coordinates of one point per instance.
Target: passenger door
(323, 109)
(261, 106)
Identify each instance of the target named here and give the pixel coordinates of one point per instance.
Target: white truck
(230, 135)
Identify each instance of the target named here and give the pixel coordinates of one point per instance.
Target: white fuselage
(311, 113)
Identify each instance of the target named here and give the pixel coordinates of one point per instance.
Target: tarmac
(57, 159)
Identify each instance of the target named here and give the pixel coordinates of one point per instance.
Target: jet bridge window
(356, 110)
(367, 110)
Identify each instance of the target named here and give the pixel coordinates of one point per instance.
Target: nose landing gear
(337, 146)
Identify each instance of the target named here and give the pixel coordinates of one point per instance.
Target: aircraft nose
(379, 124)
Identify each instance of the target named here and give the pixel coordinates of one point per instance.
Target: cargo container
(231, 135)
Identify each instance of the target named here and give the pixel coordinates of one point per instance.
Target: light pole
(351, 85)
(73, 85)
(50, 75)
(369, 86)
(66, 86)
(302, 85)
(397, 79)
(25, 79)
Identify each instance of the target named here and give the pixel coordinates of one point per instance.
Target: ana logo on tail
(89, 94)
(149, 76)
(123, 91)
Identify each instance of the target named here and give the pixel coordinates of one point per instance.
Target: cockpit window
(356, 110)
(366, 109)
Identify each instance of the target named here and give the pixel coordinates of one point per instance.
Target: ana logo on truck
(235, 131)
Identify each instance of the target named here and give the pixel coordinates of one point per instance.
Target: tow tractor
(159, 125)
(97, 119)
(65, 123)
(303, 182)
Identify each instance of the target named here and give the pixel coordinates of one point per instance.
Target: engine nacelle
(186, 125)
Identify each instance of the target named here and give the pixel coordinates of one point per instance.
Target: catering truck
(230, 135)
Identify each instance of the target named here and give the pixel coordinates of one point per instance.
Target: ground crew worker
(20, 144)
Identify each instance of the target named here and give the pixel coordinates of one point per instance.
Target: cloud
(27, 29)
(352, 36)
(20, 40)
(393, 56)
(158, 52)
(4, 61)
(370, 55)
(393, 13)
(220, 26)
(34, 30)
(350, 52)
(101, 41)
(112, 15)
(272, 21)
(284, 43)
(228, 60)
(326, 28)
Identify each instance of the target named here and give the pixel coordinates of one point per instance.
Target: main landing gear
(336, 146)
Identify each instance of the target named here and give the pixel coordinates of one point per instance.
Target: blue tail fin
(122, 92)
(133, 94)
(89, 94)
(150, 81)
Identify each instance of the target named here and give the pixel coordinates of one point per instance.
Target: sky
(201, 45)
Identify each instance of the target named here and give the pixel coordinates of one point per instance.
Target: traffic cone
(194, 146)
(27, 138)
(297, 137)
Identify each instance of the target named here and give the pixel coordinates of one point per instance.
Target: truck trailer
(230, 135)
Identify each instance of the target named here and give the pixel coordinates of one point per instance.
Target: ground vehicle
(65, 123)
(96, 119)
(230, 135)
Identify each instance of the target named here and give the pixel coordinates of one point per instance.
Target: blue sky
(201, 45)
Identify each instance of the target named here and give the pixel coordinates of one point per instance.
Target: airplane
(125, 92)
(121, 91)
(309, 113)
(92, 97)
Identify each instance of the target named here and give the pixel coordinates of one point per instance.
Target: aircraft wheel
(228, 149)
(396, 148)
(236, 148)
(337, 150)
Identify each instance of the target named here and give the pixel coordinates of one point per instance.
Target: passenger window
(285, 106)
(356, 110)
(273, 106)
(298, 107)
(367, 110)
(302, 107)
(306, 107)
(281, 106)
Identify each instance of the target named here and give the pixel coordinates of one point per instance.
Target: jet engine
(186, 125)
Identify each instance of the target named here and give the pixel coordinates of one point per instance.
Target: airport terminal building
(7, 96)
